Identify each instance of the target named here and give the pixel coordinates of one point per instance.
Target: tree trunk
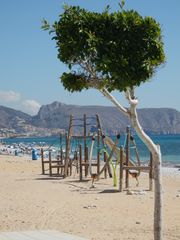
(153, 148)
(158, 196)
(156, 153)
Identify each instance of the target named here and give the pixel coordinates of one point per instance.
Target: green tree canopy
(112, 50)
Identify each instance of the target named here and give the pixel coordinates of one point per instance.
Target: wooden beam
(98, 152)
(68, 143)
(50, 164)
(105, 160)
(151, 173)
(42, 161)
(121, 169)
(127, 168)
(80, 162)
(127, 154)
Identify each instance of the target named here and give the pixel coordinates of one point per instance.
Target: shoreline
(172, 161)
(166, 168)
(11, 152)
(171, 171)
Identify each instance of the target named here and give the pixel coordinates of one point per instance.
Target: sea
(170, 146)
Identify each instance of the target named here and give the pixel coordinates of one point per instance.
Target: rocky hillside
(155, 120)
(54, 117)
(15, 123)
(10, 118)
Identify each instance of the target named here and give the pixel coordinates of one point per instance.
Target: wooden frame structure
(63, 164)
(48, 165)
(83, 165)
(82, 158)
(127, 167)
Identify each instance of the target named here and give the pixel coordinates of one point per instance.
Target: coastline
(31, 201)
(171, 171)
(24, 149)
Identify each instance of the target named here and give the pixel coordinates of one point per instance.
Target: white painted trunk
(158, 196)
(156, 153)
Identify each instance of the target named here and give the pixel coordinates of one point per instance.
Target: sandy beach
(31, 201)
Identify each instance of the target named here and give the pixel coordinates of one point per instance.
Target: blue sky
(30, 70)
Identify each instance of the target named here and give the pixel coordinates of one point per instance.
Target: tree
(112, 51)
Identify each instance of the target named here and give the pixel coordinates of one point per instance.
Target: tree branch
(108, 95)
(129, 94)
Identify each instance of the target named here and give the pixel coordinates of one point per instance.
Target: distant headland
(53, 119)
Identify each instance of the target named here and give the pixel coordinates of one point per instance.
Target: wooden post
(68, 143)
(85, 145)
(121, 169)
(86, 162)
(151, 173)
(58, 162)
(61, 159)
(42, 160)
(109, 171)
(99, 126)
(50, 164)
(76, 160)
(84, 132)
(98, 152)
(101, 133)
(60, 140)
(80, 162)
(136, 151)
(127, 154)
(70, 168)
(66, 160)
(105, 160)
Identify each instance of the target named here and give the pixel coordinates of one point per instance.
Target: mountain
(9, 118)
(54, 117)
(14, 123)
(154, 120)
(57, 115)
